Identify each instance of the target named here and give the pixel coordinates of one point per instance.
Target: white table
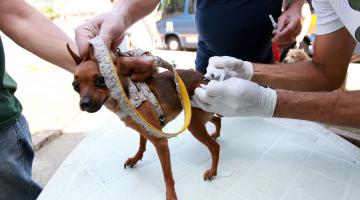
(260, 159)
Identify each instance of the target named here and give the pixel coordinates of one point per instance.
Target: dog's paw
(131, 162)
(209, 174)
(171, 196)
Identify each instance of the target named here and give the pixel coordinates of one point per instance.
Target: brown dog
(89, 83)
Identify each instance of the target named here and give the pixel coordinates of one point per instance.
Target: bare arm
(293, 4)
(325, 72)
(34, 32)
(328, 107)
(132, 11)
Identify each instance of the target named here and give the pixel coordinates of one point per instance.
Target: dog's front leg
(162, 149)
(161, 146)
(139, 154)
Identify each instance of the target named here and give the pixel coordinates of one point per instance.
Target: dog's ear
(90, 55)
(77, 58)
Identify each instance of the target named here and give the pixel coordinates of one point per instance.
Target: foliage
(50, 12)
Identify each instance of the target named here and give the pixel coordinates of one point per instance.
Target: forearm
(325, 72)
(339, 108)
(301, 76)
(133, 10)
(34, 32)
(293, 4)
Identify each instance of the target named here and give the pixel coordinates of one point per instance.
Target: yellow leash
(99, 45)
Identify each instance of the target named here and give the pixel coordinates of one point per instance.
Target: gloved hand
(229, 66)
(235, 97)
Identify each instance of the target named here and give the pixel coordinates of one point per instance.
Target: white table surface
(260, 159)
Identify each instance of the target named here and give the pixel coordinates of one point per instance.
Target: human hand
(229, 66)
(109, 26)
(235, 97)
(289, 26)
(138, 68)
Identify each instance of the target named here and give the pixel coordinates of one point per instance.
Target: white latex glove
(229, 66)
(235, 97)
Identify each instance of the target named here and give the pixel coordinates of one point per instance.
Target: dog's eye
(76, 86)
(100, 82)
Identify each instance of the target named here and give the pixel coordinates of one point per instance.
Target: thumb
(215, 88)
(281, 23)
(200, 93)
(111, 35)
(82, 38)
(216, 62)
(202, 98)
(106, 35)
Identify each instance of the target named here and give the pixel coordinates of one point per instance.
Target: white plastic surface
(260, 159)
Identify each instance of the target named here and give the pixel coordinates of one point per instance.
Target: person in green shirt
(34, 32)
(10, 107)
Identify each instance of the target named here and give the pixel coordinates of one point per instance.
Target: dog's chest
(138, 92)
(112, 105)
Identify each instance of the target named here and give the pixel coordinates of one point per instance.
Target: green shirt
(10, 107)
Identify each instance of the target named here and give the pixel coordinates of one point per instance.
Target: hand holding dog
(138, 68)
(109, 26)
(230, 66)
(235, 97)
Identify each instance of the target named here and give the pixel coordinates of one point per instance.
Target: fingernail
(203, 86)
(206, 77)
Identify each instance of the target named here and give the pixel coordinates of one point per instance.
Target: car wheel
(173, 43)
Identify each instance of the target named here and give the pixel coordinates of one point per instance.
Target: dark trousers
(16, 156)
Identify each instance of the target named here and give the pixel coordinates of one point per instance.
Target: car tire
(173, 43)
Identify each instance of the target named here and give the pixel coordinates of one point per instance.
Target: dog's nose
(85, 104)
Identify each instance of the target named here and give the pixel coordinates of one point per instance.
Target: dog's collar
(109, 71)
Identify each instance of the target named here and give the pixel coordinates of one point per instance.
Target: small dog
(296, 55)
(90, 84)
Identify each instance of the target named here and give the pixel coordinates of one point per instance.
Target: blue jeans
(16, 156)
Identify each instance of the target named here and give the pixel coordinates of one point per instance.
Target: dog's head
(296, 55)
(89, 83)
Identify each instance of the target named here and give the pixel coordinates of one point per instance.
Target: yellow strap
(184, 98)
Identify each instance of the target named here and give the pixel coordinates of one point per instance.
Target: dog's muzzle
(88, 106)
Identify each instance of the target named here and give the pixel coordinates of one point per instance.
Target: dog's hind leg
(217, 122)
(139, 154)
(198, 130)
